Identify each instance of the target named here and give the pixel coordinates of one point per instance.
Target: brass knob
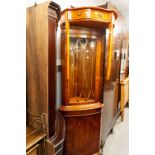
(79, 13)
(100, 15)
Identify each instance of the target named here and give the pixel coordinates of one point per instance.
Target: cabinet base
(82, 129)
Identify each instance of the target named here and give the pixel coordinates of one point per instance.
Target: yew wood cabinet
(84, 32)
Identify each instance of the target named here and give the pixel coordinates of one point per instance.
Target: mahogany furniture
(83, 35)
(111, 91)
(42, 120)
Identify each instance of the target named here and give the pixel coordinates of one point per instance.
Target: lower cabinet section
(82, 135)
(82, 131)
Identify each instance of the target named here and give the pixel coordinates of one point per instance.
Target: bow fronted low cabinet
(83, 43)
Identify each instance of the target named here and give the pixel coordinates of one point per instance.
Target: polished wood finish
(82, 134)
(36, 60)
(53, 17)
(41, 27)
(111, 95)
(78, 32)
(81, 107)
(34, 141)
(67, 59)
(54, 145)
(110, 47)
(88, 17)
(124, 95)
(100, 16)
(33, 151)
(98, 69)
(33, 136)
(81, 14)
(41, 62)
(83, 117)
(85, 12)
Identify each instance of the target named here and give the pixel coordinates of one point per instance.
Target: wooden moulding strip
(81, 107)
(67, 56)
(122, 101)
(67, 45)
(32, 149)
(82, 110)
(98, 68)
(33, 139)
(110, 48)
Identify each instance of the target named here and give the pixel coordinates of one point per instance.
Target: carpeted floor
(117, 143)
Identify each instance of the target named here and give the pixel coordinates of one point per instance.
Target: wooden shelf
(81, 107)
(33, 136)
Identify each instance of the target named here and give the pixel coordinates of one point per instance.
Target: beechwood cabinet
(43, 122)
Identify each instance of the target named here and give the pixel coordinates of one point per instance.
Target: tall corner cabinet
(83, 45)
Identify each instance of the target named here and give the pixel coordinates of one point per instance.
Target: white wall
(126, 16)
(66, 3)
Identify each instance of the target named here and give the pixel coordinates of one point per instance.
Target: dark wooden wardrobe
(42, 120)
(111, 92)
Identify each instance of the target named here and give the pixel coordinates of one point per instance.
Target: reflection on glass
(82, 69)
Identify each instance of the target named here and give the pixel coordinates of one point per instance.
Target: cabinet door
(82, 69)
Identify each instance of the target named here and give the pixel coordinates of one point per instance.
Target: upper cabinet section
(93, 17)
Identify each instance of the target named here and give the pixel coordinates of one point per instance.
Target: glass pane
(82, 69)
